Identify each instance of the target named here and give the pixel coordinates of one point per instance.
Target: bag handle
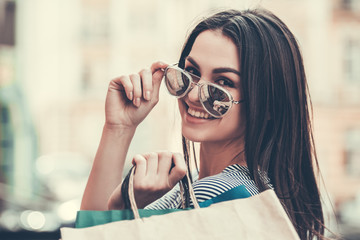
(133, 205)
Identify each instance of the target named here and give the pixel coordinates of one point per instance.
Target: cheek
(235, 121)
(234, 125)
(181, 107)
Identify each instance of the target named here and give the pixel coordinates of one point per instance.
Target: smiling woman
(242, 94)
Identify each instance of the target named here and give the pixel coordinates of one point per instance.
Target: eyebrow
(216, 70)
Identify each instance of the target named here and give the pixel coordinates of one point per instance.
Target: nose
(193, 94)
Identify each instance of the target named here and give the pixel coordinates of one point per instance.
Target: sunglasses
(216, 100)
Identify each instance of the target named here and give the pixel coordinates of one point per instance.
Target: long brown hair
(278, 136)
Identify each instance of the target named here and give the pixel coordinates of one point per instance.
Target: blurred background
(58, 56)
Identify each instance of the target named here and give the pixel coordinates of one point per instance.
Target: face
(214, 57)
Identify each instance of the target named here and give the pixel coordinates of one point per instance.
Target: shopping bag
(258, 217)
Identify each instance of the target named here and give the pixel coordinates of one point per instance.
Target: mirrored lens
(176, 81)
(215, 100)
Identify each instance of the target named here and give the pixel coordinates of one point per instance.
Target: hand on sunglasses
(130, 98)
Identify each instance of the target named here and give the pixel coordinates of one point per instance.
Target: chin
(193, 136)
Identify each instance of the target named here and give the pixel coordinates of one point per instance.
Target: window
(352, 152)
(352, 61)
(95, 25)
(351, 5)
(7, 22)
(95, 69)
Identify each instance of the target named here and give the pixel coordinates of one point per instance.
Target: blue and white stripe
(212, 186)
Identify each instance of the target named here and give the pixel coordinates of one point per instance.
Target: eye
(224, 82)
(192, 70)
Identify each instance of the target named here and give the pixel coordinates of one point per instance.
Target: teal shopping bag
(93, 218)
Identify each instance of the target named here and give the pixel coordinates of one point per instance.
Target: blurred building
(337, 109)
(336, 96)
(18, 144)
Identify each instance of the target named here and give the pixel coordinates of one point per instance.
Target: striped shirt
(212, 186)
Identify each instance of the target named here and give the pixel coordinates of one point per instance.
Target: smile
(198, 114)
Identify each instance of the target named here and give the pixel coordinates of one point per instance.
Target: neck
(216, 156)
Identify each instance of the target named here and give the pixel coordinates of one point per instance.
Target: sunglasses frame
(200, 85)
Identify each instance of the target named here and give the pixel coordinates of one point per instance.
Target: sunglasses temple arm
(238, 102)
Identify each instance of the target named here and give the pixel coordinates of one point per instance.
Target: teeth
(198, 114)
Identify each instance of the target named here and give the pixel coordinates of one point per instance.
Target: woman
(254, 129)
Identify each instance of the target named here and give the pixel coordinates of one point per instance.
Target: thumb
(178, 171)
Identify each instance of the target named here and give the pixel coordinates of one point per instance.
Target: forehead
(212, 49)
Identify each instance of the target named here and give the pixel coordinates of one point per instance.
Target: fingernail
(147, 95)
(137, 102)
(131, 96)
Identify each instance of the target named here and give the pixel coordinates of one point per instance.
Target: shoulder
(231, 177)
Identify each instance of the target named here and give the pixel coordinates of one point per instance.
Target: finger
(165, 161)
(178, 171)
(158, 66)
(157, 70)
(140, 165)
(147, 85)
(121, 83)
(136, 82)
(152, 164)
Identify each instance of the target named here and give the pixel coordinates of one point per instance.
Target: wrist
(118, 128)
(118, 132)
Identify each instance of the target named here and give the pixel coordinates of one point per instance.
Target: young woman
(242, 94)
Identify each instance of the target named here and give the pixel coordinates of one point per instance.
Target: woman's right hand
(156, 173)
(130, 98)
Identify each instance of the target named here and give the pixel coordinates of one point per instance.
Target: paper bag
(258, 217)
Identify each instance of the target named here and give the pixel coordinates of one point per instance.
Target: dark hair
(278, 137)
